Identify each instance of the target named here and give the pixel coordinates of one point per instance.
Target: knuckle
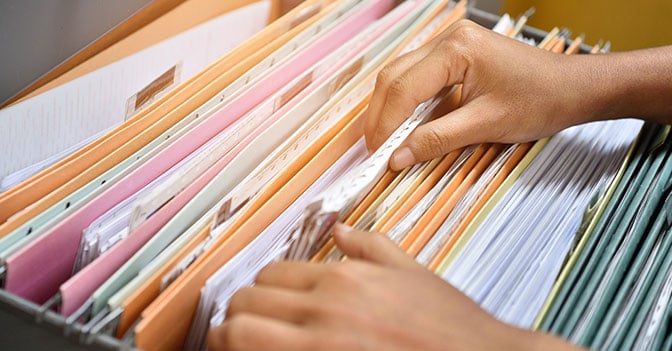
(466, 31)
(386, 75)
(332, 310)
(447, 46)
(240, 299)
(343, 273)
(463, 39)
(268, 271)
(458, 53)
(264, 273)
(431, 144)
(400, 89)
(322, 311)
(463, 22)
(236, 332)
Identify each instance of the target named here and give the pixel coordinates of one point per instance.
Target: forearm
(629, 84)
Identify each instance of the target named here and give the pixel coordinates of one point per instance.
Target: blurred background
(36, 35)
(627, 24)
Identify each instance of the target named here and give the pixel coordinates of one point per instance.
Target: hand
(378, 299)
(511, 92)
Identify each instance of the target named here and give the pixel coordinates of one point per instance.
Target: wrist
(589, 89)
(629, 84)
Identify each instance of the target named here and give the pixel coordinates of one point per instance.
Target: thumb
(460, 128)
(372, 247)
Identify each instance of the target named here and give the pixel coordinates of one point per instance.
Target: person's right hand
(511, 92)
(377, 299)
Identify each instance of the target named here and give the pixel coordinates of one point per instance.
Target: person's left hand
(378, 299)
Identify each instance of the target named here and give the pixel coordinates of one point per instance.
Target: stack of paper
(514, 255)
(616, 293)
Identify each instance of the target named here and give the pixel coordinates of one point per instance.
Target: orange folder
(384, 183)
(174, 309)
(388, 179)
(385, 224)
(371, 206)
(56, 182)
(497, 180)
(185, 16)
(144, 295)
(403, 197)
(490, 189)
(165, 323)
(559, 45)
(416, 239)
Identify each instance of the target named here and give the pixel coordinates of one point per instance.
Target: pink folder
(37, 271)
(77, 289)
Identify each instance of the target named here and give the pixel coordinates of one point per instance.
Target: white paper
(510, 264)
(44, 125)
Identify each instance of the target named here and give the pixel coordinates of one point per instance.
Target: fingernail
(402, 158)
(342, 229)
(369, 147)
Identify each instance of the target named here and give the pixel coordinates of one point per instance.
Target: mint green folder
(616, 288)
(624, 333)
(614, 234)
(556, 315)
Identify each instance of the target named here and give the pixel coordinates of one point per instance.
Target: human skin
(380, 298)
(377, 299)
(511, 92)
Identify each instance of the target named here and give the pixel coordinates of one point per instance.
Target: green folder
(607, 296)
(614, 234)
(624, 335)
(625, 272)
(556, 315)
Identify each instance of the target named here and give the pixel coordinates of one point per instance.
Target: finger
(397, 67)
(403, 95)
(441, 68)
(249, 332)
(462, 127)
(372, 247)
(386, 76)
(281, 304)
(444, 62)
(290, 275)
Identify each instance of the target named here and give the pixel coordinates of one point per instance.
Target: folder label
(154, 90)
